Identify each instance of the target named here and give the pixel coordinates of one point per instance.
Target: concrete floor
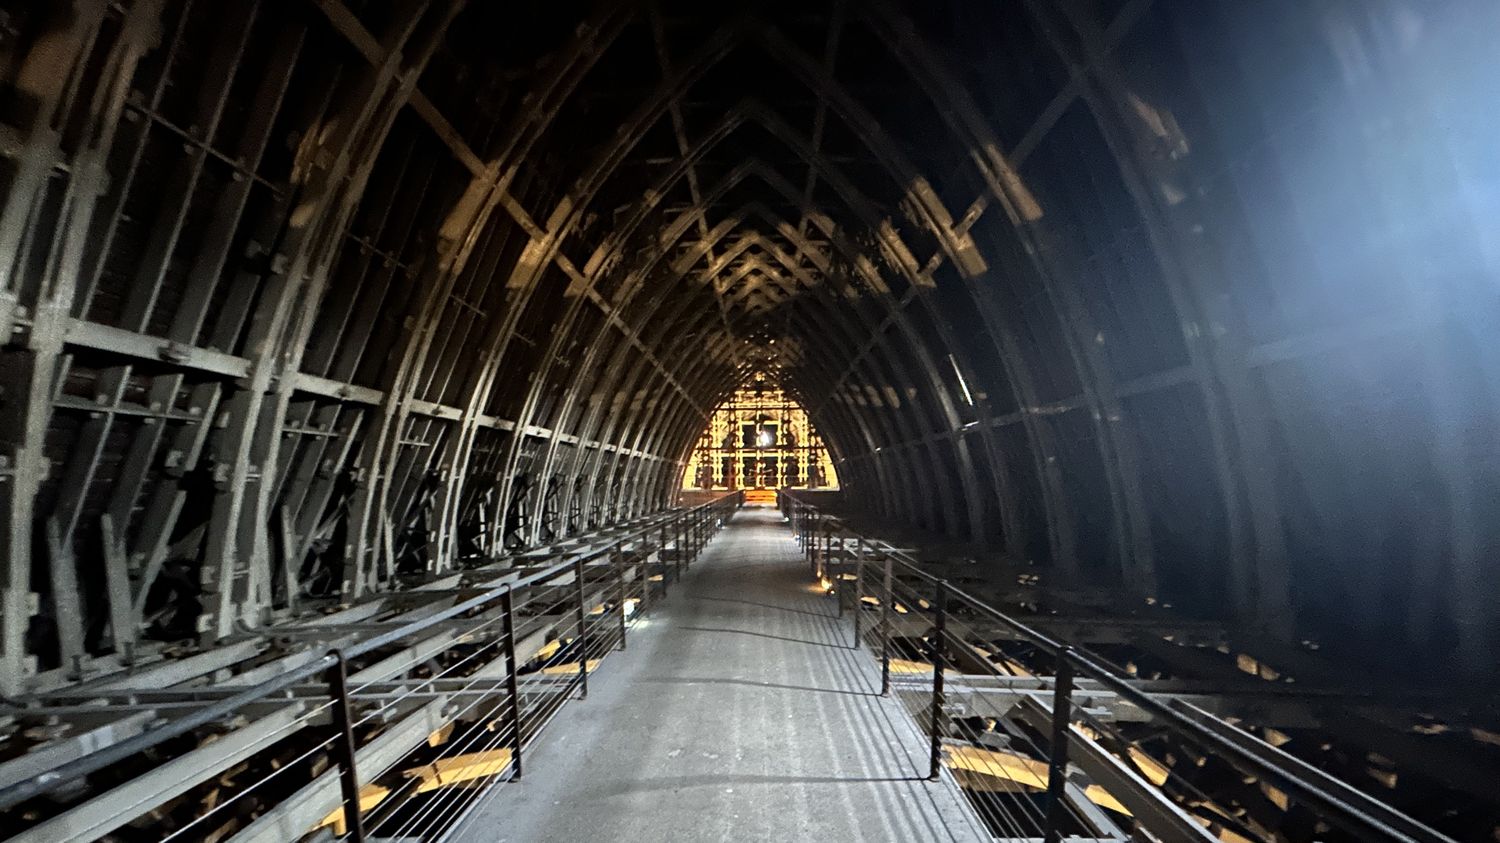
(738, 712)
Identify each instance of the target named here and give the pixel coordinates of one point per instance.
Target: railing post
(810, 544)
(343, 746)
(828, 540)
(583, 635)
(859, 585)
(661, 557)
(885, 629)
(838, 581)
(681, 548)
(815, 555)
(828, 545)
(619, 559)
(1057, 764)
(808, 551)
(802, 538)
(810, 535)
(940, 606)
(512, 678)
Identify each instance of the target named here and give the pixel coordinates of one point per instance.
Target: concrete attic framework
(1193, 304)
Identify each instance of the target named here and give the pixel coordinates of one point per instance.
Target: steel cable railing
(888, 582)
(1018, 816)
(459, 652)
(506, 735)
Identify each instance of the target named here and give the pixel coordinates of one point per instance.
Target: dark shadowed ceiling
(1193, 297)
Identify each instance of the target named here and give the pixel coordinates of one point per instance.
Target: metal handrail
(45, 782)
(1341, 803)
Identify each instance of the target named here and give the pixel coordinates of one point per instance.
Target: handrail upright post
(940, 606)
(661, 557)
(810, 544)
(805, 538)
(583, 635)
(643, 571)
(814, 546)
(619, 559)
(859, 585)
(838, 582)
(885, 630)
(343, 746)
(1057, 764)
(815, 556)
(828, 548)
(512, 678)
(822, 544)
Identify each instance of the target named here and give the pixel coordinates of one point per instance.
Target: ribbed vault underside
(1189, 297)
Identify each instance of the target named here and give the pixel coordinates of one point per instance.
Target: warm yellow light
(753, 437)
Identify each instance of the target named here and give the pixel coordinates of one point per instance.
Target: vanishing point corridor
(785, 420)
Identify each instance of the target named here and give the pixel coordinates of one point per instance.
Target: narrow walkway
(738, 712)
